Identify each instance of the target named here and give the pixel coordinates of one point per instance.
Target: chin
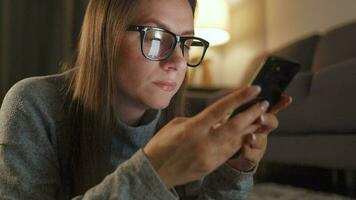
(158, 103)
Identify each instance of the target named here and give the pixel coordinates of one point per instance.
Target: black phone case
(273, 78)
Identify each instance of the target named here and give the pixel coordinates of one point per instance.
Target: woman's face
(152, 84)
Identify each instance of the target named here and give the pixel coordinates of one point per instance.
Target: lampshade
(212, 21)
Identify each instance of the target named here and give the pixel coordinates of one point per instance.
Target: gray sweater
(33, 155)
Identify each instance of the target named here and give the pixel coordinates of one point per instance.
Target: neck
(129, 112)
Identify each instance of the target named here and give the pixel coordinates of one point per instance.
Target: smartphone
(273, 76)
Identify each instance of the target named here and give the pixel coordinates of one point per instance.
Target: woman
(111, 126)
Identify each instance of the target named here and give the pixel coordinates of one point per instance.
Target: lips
(167, 86)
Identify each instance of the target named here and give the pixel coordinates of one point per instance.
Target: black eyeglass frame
(178, 39)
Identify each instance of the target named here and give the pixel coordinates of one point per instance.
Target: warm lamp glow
(212, 21)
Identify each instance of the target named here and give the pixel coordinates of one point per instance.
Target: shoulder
(33, 105)
(42, 92)
(35, 88)
(31, 124)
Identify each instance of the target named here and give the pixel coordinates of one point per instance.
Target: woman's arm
(30, 163)
(133, 179)
(224, 183)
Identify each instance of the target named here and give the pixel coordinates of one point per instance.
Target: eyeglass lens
(159, 45)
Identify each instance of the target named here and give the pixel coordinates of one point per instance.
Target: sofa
(319, 128)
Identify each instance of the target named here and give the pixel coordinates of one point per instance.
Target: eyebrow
(160, 24)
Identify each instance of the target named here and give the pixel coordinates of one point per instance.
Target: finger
(240, 125)
(282, 104)
(221, 136)
(231, 142)
(258, 141)
(252, 155)
(269, 121)
(219, 110)
(251, 129)
(244, 119)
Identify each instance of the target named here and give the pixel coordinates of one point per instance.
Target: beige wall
(248, 36)
(290, 19)
(260, 25)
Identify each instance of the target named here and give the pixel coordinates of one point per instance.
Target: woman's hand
(187, 149)
(255, 144)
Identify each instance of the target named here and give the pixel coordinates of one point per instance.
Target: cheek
(130, 64)
(130, 48)
(182, 75)
(133, 75)
(130, 54)
(130, 75)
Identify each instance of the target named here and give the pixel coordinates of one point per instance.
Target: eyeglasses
(158, 44)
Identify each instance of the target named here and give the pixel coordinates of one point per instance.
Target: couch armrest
(333, 98)
(299, 90)
(341, 75)
(300, 86)
(329, 107)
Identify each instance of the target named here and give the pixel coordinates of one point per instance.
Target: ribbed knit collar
(129, 139)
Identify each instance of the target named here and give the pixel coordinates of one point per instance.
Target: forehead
(174, 15)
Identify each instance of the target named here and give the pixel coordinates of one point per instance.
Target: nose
(176, 61)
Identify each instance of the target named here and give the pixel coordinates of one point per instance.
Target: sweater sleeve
(224, 183)
(133, 179)
(29, 163)
(228, 184)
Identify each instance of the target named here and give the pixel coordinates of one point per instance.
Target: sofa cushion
(329, 106)
(336, 46)
(302, 50)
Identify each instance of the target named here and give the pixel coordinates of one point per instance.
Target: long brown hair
(91, 86)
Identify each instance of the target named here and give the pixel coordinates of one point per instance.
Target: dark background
(36, 37)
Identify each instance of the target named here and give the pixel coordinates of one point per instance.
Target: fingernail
(262, 118)
(253, 136)
(216, 126)
(264, 105)
(290, 100)
(257, 88)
